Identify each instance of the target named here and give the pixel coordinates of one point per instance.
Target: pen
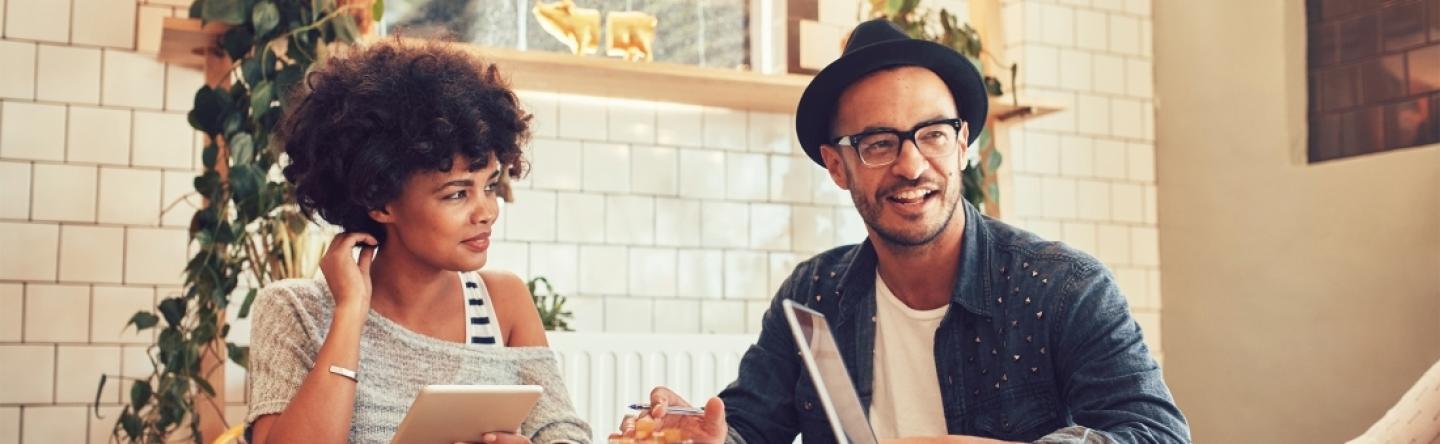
(681, 411)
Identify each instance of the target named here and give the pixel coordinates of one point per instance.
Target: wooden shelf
(655, 81)
(186, 42)
(668, 82)
(1004, 111)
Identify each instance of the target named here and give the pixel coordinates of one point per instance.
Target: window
(1374, 76)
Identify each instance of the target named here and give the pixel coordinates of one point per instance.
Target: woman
(404, 145)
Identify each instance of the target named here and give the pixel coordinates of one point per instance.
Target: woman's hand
(349, 279)
(501, 438)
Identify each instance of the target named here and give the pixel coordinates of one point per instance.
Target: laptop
(822, 358)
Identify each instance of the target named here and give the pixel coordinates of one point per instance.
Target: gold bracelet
(342, 371)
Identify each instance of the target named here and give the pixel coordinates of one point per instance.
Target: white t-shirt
(907, 392)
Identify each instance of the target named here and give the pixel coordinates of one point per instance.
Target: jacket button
(1005, 424)
(808, 406)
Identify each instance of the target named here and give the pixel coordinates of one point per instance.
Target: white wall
(648, 214)
(1301, 300)
(1086, 175)
(93, 146)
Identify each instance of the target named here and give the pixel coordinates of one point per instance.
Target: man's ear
(383, 215)
(965, 147)
(835, 164)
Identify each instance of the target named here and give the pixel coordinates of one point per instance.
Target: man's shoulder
(829, 261)
(1014, 244)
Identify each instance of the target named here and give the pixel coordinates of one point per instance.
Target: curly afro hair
(366, 121)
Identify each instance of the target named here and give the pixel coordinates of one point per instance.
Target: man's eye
(458, 195)
(879, 146)
(492, 186)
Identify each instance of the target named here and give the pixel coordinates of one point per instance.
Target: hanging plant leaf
(995, 160)
(249, 299)
(99, 391)
(173, 309)
(204, 332)
(266, 17)
(250, 71)
(230, 12)
(242, 149)
(237, 42)
(240, 355)
(130, 422)
(208, 111)
(992, 86)
(140, 394)
(233, 122)
(377, 10)
(260, 98)
(142, 320)
(207, 184)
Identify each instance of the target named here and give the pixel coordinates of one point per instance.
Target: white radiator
(606, 372)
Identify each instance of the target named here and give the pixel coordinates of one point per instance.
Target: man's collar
(858, 267)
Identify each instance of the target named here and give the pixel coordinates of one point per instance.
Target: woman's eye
(458, 195)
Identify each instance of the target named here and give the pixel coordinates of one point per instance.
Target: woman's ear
(383, 215)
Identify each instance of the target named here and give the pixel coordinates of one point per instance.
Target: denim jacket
(1038, 345)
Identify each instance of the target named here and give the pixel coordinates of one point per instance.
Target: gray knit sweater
(291, 319)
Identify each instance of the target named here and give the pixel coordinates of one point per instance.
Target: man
(953, 326)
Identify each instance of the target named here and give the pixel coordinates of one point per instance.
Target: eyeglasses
(936, 138)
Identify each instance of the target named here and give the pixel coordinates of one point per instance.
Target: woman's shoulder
(501, 281)
(307, 298)
(506, 288)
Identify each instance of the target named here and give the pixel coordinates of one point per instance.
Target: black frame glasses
(927, 150)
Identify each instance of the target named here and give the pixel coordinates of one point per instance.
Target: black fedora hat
(879, 44)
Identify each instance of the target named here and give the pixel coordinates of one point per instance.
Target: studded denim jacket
(1038, 345)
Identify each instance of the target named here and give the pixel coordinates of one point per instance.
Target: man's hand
(707, 429)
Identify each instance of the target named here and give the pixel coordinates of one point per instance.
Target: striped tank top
(482, 328)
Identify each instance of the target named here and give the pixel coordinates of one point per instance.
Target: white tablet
(465, 413)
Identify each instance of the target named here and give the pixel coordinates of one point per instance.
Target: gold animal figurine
(578, 28)
(630, 34)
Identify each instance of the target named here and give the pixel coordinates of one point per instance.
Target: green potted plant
(249, 232)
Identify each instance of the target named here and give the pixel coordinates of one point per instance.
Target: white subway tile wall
(1086, 175)
(14, 190)
(98, 135)
(68, 74)
(42, 20)
(88, 164)
(17, 80)
(650, 217)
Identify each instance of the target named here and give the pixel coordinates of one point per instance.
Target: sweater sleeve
(553, 419)
(281, 352)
